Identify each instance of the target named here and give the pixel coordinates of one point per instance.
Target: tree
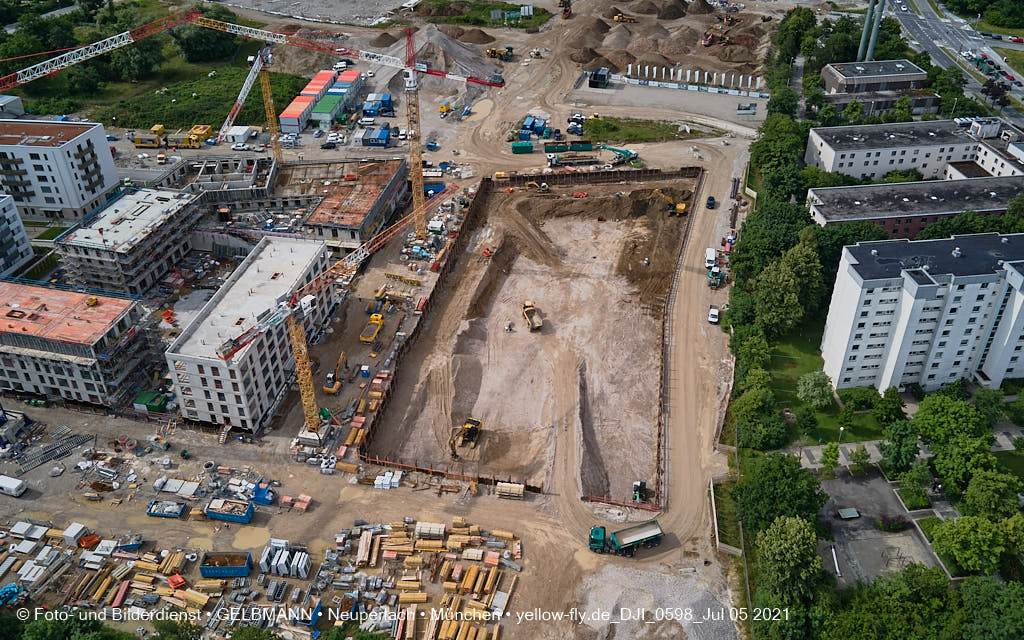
(854, 111)
(902, 112)
(889, 408)
(815, 389)
(803, 261)
(174, 630)
(860, 459)
(756, 378)
(989, 402)
(992, 494)
(766, 233)
(10, 627)
(199, 44)
(1013, 532)
(784, 183)
(832, 239)
(940, 417)
(899, 449)
(994, 610)
(974, 543)
(71, 629)
(776, 485)
(845, 418)
(830, 459)
(758, 425)
(788, 563)
(754, 351)
(781, 140)
(254, 633)
(777, 290)
(957, 460)
(784, 100)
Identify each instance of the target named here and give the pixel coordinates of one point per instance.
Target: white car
(239, 146)
(713, 314)
(369, 74)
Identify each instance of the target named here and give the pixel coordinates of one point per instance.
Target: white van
(366, 122)
(12, 486)
(710, 257)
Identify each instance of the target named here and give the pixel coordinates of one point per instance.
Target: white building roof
(268, 275)
(129, 219)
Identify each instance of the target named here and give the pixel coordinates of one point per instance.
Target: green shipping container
(522, 147)
(581, 145)
(556, 148)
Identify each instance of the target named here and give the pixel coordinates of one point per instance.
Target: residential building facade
(15, 248)
(133, 242)
(246, 388)
(66, 344)
(55, 170)
(928, 312)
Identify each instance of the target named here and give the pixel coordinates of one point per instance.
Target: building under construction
(245, 388)
(66, 344)
(355, 199)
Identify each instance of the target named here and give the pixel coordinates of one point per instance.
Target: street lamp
(841, 430)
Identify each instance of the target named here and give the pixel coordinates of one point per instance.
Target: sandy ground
(592, 367)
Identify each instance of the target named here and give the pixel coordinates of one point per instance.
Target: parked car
(330, 144)
(369, 74)
(711, 202)
(1016, 39)
(1010, 77)
(319, 133)
(1018, 83)
(713, 315)
(239, 146)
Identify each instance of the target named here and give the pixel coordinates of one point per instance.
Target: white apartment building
(66, 344)
(55, 170)
(927, 311)
(246, 388)
(133, 242)
(15, 248)
(871, 151)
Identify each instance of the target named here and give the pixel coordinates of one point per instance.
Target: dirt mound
(654, 59)
(619, 58)
(734, 54)
(584, 55)
(686, 35)
(673, 49)
(476, 36)
(588, 33)
(671, 12)
(611, 12)
(646, 6)
(601, 61)
(430, 10)
(618, 38)
(653, 30)
(700, 7)
(383, 40)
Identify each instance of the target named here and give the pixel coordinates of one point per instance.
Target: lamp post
(840, 440)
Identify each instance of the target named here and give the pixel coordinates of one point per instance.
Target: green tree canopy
(889, 408)
(957, 460)
(199, 44)
(815, 389)
(788, 564)
(939, 418)
(899, 449)
(776, 485)
(974, 543)
(992, 494)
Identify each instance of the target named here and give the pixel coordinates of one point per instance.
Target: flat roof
(873, 201)
(902, 67)
(41, 133)
(346, 203)
(270, 272)
(979, 254)
(970, 169)
(894, 135)
(127, 221)
(56, 314)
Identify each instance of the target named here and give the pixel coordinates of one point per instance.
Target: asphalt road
(932, 33)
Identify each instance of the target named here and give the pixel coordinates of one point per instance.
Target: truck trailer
(625, 541)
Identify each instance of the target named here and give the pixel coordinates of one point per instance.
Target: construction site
(510, 350)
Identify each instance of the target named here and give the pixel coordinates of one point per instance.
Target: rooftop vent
(992, 193)
(874, 252)
(856, 202)
(956, 252)
(906, 199)
(1004, 240)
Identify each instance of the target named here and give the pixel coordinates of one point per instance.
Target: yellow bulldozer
(465, 436)
(621, 17)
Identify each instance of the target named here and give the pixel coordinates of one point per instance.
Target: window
(863, 314)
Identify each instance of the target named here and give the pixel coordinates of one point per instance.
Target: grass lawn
(632, 130)
(928, 526)
(1013, 57)
(991, 28)
(728, 524)
(1012, 461)
(34, 223)
(51, 233)
(795, 355)
(911, 501)
(936, 8)
(479, 14)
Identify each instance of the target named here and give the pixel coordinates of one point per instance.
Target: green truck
(626, 541)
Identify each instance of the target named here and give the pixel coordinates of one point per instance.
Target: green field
(203, 100)
(479, 14)
(626, 130)
(728, 523)
(991, 28)
(1012, 461)
(795, 355)
(1013, 57)
(51, 233)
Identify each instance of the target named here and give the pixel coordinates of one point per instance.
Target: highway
(935, 34)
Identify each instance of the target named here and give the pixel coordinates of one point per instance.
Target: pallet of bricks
(474, 568)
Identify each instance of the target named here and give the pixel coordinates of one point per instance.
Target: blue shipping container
(538, 126)
(229, 510)
(525, 134)
(386, 99)
(436, 188)
(528, 123)
(225, 564)
(166, 509)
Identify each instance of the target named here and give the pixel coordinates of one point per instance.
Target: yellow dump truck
(532, 316)
(183, 140)
(158, 130)
(372, 328)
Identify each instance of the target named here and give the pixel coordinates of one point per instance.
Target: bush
(762, 432)
(1018, 443)
(859, 398)
(891, 523)
(928, 526)
(916, 390)
(914, 498)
